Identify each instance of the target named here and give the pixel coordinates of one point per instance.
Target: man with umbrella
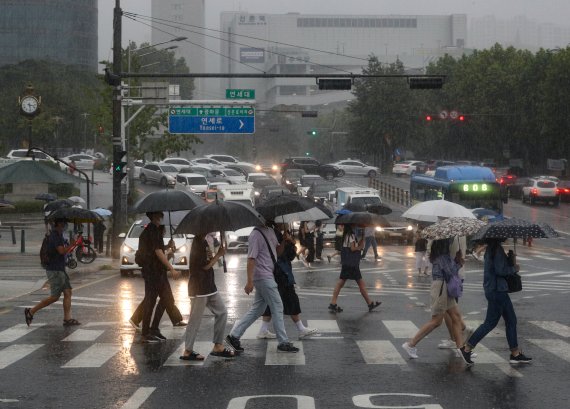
(58, 278)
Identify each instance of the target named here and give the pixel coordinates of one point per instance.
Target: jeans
(370, 242)
(498, 305)
(266, 293)
(216, 305)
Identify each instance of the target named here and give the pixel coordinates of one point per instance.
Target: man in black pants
(156, 283)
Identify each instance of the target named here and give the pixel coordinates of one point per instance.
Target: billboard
(252, 55)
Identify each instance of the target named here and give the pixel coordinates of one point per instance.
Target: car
(207, 161)
(271, 191)
(306, 182)
(22, 154)
(291, 178)
(356, 168)
(505, 177)
(268, 167)
(252, 177)
(260, 183)
(321, 190)
(223, 158)
(237, 240)
(131, 244)
(82, 161)
(231, 175)
(564, 190)
(193, 182)
(242, 168)
(164, 175)
(434, 164)
(310, 165)
(539, 189)
(407, 167)
(178, 163)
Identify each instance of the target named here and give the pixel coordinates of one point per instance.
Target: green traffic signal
(312, 132)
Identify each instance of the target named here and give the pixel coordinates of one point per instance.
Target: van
(237, 193)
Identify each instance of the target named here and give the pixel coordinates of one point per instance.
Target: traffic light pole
(117, 142)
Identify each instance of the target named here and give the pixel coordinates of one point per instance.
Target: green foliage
(26, 206)
(517, 105)
(63, 190)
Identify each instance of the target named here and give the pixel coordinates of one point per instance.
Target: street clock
(29, 105)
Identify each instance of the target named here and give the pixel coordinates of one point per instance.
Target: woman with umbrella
(350, 268)
(203, 293)
(497, 266)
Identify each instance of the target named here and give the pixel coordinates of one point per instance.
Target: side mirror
(122, 235)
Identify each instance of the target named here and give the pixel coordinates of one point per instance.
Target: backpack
(44, 252)
(141, 255)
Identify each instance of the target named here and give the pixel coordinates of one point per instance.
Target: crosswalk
(96, 344)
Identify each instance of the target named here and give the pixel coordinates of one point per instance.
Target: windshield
(297, 173)
(364, 201)
(197, 181)
(231, 172)
(264, 182)
(168, 168)
(323, 188)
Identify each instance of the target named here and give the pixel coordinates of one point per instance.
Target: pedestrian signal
(120, 164)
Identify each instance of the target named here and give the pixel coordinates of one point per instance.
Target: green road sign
(240, 94)
(212, 111)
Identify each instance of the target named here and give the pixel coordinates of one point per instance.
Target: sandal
(194, 356)
(70, 322)
(226, 353)
(334, 308)
(373, 305)
(29, 316)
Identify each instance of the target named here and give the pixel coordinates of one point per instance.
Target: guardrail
(391, 193)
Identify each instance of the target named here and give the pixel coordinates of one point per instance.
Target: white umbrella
(433, 210)
(76, 199)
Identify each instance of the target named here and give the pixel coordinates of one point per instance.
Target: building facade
(182, 18)
(59, 30)
(253, 42)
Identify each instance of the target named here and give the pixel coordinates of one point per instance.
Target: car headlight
(410, 228)
(378, 228)
(274, 167)
(127, 249)
(232, 237)
(287, 182)
(182, 249)
(257, 167)
(256, 193)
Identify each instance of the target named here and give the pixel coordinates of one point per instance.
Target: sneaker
(149, 339)
(180, 324)
(467, 332)
(135, 325)
(520, 359)
(307, 332)
(447, 344)
(266, 335)
(412, 351)
(466, 356)
(157, 334)
(458, 354)
(334, 308)
(329, 258)
(234, 343)
(287, 347)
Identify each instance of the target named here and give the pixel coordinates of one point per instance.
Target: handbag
(280, 276)
(349, 258)
(514, 282)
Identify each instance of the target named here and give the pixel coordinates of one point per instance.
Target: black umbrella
(76, 215)
(291, 206)
(58, 204)
(515, 228)
(168, 200)
(372, 208)
(219, 216)
(362, 219)
(48, 197)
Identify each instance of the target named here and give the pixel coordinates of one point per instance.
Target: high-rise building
(182, 18)
(59, 30)
(272, 43)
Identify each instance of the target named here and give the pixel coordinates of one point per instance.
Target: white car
(541, 190)
(178, 163)
(405, 168)
(82, 161)
(251, 177)
(22, 154)
(131, 245)
(237, 240)
(193, 182)
(158, 173)
(355, 167)
(207, 161)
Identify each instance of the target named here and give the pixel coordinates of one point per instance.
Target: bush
(63, 190)
(26, 206)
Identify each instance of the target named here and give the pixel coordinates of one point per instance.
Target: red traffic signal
(461, 118)
(429, 118)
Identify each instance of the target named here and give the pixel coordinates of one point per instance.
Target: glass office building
(60, 30)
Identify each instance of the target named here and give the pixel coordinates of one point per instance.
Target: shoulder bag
(280, 276)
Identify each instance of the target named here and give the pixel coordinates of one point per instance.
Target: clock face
(29, 105)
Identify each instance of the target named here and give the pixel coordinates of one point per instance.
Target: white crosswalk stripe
(83, 335)
(553, 326)
(14, 353)
(138, 398)
(380, 352)
(401, 329)
(94, 356)
(17, 331)
(273, 357)
(559, 348)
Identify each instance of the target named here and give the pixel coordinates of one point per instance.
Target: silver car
(164, 175)
(355, 168)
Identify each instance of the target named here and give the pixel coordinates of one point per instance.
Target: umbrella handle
(224, 256)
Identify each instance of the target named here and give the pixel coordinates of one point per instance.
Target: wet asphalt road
(357, 360)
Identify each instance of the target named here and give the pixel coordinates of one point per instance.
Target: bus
(470, 186)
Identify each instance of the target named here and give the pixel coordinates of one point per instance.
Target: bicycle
(81, 251)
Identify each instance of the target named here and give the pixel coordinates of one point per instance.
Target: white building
(271, 43)
(190, 15)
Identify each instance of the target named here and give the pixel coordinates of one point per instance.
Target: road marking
(495, 333)
(203, 348)
(138, 398)
(82, 335)
(380, 353)
(486, 356)
(14, 353)
(401, 329)
(252, 331)
(86, 304)
(111, 275)
(272, 357)
(102, 324)
(94, 356)
(555, 346)
(17, 331)
(324, 326)
(549, 258)
(542, 273)
(553, 326)
(104, 300)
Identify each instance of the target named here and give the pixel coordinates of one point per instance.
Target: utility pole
(117, 146)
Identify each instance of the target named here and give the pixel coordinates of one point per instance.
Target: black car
(261, 183)
(291, 178)
(269, 192)
(311, 166)
(320, 190)
(564, 190)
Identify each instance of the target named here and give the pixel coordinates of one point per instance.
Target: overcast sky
(547, 11)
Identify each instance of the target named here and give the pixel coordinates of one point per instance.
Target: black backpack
(141, 255)
(44, 252)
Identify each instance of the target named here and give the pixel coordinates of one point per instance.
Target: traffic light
(120, 163)
(425, 82)
(429, 118)
(309, 114)
(313, 132)
(335, 83)
(461, 118)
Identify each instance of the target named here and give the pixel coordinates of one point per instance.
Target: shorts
(421, 260)
(58, 281)
(440, 303)
(338, 243)
(350, 273)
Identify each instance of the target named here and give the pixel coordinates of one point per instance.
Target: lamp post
(85, 115)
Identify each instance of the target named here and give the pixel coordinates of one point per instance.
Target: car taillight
(501, 181)
(566, 190)
(509, 176)
(534, 191)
